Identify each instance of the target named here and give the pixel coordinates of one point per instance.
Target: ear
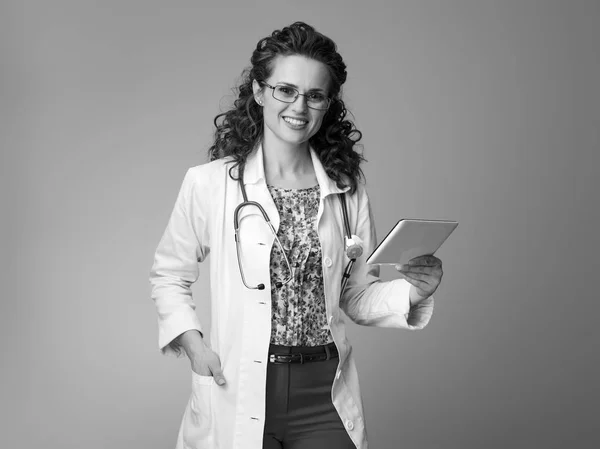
(258, 92)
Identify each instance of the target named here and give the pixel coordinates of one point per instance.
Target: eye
(286, 90)
(316, 97)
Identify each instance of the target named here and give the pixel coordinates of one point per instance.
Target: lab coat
(233, 416)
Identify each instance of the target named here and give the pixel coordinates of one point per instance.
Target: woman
(279, 371)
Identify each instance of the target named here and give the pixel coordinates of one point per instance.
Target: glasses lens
(317, 101)
(284, 93)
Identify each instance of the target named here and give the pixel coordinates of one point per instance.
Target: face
(292, 123)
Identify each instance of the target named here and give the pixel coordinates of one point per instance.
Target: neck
(286, 162)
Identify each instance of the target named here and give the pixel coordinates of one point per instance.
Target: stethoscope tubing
(246, 203)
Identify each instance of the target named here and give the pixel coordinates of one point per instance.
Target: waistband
(301, 354)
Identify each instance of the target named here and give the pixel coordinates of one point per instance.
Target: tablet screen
(411, 238)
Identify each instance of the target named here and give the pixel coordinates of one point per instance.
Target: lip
(296, 118)
(302, 126)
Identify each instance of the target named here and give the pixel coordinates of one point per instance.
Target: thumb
(217, 372)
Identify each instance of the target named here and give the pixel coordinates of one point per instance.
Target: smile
(295, 121)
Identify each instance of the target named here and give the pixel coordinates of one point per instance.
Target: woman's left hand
(424, 272)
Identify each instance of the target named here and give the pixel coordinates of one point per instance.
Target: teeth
(294, 121)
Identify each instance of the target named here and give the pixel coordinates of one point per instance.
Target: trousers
(299, 411)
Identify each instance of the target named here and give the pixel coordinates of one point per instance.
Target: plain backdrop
(485, 112)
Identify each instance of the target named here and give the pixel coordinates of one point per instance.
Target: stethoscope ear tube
(236, 225)
(237, 250)
(353, 244)
(345, 214)
(353, 248)
(346, 275)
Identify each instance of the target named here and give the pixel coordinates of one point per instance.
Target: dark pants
(300, 414)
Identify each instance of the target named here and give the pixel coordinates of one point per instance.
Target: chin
(289, 136)
(296, 141)
(293, 139)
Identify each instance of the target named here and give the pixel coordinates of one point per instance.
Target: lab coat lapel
(256, 185)
(326, 184)
(256, 188)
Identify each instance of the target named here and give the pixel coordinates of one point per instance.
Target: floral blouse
(298, 316)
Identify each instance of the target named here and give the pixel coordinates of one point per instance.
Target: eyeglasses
(287, 94)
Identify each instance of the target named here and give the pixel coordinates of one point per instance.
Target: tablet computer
(411, 238)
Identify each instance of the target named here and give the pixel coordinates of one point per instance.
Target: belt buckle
(283, 358)
(301, 359)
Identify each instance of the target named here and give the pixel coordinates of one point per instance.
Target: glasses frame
(296, 97)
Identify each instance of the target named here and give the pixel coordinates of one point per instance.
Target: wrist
(192, 342)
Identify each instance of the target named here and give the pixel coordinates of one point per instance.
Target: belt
(330, 352)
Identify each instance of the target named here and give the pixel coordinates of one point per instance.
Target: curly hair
(242, 126)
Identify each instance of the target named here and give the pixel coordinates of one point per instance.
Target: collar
(255, 171)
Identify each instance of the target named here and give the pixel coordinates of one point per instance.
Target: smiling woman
(279, 371)
(290, 118)
(295, 63)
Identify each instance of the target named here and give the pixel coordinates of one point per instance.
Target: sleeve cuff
(173, 326)
(419, 315)
(415, 317)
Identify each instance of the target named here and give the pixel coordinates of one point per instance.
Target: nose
(300, 104)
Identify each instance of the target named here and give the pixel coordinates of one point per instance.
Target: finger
(415, 269)
(428, 283)
(215, 367)
(433, 272)
(201, 370)
(426, 287)
(217, 373)
(419, 283)
(419, 260)
(427, 261)
(418, 276)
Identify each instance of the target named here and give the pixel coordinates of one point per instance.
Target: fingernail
(221, 381)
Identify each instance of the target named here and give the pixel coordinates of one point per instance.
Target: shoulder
(203, 187)
(204, 184)
(209, 174)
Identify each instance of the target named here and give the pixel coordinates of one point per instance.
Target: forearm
(191, 341)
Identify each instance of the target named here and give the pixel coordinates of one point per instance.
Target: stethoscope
(353, 243)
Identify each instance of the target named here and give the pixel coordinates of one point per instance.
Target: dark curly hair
(242, 126)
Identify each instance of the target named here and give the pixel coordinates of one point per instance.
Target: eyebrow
(316, 89)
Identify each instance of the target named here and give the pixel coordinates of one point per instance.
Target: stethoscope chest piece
(354, 248)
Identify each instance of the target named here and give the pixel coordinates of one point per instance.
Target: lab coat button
(349, 425)
(330, 319)
(327, 262)
(338, 374)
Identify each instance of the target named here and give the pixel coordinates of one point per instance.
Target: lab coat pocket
(198, 426)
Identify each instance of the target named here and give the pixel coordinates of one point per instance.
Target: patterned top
(298, 316)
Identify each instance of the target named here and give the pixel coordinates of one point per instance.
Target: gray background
(481, 111)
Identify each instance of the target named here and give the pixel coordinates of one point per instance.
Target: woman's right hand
(205, 362)
(208, 363)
